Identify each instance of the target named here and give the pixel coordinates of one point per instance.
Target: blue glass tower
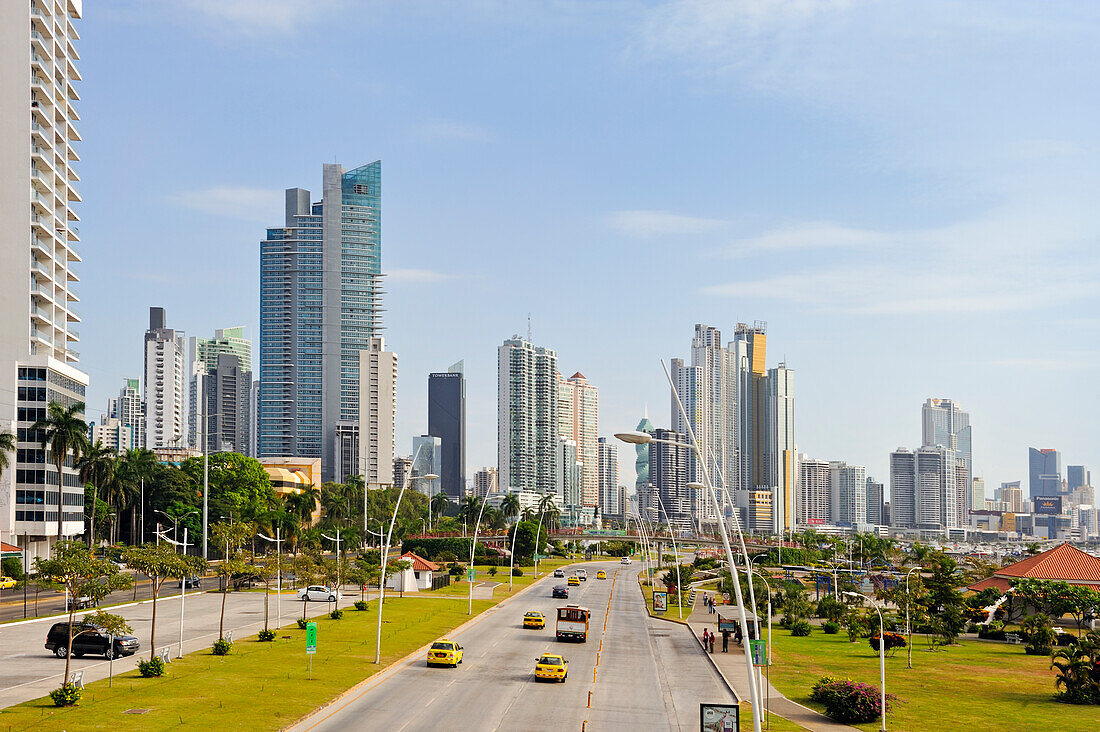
(320, 303)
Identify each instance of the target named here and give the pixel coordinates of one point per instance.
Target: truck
(572, 623)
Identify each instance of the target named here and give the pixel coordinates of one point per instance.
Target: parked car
(561, 591)
(79, 603)
(318, 593)
(559, 572)
(193, 583)
(93, 640)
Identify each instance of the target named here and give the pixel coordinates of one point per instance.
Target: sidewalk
(731, 666)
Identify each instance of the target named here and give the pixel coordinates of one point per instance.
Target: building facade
(579, 421)
(847, 494)
(527, 416)
(1044, 472)
(609, 488)
(220, 392)
(927, 489)
(165, 383)
(944, 423)
(123, 424)
(447, 421)
(485, 482)
(427, 459)
(320, 304)
(668, 475)
(377, 422)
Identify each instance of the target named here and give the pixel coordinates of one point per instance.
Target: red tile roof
(419, 563)
(1063, 562)
(7, 548)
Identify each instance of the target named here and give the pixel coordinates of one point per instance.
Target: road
(11, 601)
(28, 670)
(651, 673)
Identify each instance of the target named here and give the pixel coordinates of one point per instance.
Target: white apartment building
(38, 246)
(527, 416)
(377, 413)
(847, 494)
(813, 492)
(166, 383)
(609, 488)
(579, 421)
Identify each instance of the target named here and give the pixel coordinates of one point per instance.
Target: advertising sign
(759, 650)
(660, 601)
(1048, 505)
(719, 717)
(311, 638)
(470, 576)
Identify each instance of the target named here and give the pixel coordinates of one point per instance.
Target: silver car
(318, 593)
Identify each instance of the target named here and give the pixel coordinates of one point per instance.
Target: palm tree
(469, 508)
(439, 503)
(97, 467)
(138, 467)
(1075, 666)
(510, 506)
(7, 444)
(63, 433)
(548, 509)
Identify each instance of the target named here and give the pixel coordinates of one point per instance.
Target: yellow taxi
(574, 581)
(601, 574)
(445, 652)
(551, 667)
(534, 619)
(6, 583)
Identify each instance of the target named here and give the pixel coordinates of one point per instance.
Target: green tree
(137, 468)
(96, 468)
(230, 536)
(265, 569)
(159, 562)
(64, 434)
(73, 567)
(1076, 668)
(239, 486)
(7, 445)
(524, 539)
(1040, 634)
(509, 506)
(687, 571)
(306, 569)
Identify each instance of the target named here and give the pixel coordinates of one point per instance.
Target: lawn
(977, 685)
(259, 686)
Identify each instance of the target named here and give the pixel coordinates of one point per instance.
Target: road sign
(470, 574)
(311, 638)
(759, 651)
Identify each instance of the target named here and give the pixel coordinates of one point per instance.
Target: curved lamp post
(881, 652)
(908, 629)
(278, 541)
(473, 572)
(676, 553)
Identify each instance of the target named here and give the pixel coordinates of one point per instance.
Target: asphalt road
(651, 673)
(28, 670)
(11, 601)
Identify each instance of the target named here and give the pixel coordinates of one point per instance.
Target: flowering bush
(302, 623)
(266, 636)
(221, 647)
(849, 702)
(893, 641)
(336, 614)
(67, 695)
(361, 605)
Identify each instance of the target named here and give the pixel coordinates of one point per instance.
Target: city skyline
(866, 183)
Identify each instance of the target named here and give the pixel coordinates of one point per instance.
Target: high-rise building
(708, 390)
(668, 474)
(977, 494)
(927, 488)
(1011, 495)
(165, 383)
(447, 421)
(38, 247)
(847, 493)
(205, 351)
(903, 471)
(527, 416)
(402, 467)
(579, 420)
(113, 435)
(780, 451)
(944, 423)
(426, 460)
(377, 415)
(1077, 476)
(320, 304)
(567, 481)
(222, 365)
(128, 414)
(485, 482)
(1044, 472)
(813, 492)
(641, 462)
(610, 500)
(876, 504)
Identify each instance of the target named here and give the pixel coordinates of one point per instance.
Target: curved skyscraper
(641, 465)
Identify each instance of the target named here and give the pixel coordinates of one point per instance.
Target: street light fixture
(676, 553)
(383, 557)
(175, 520)
(767, 584)
(431, 478)
(183, 582)
(473, 573)
(881, 652)
(278, 541)
(908, 629)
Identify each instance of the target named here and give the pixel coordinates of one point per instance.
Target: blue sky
(906, 193)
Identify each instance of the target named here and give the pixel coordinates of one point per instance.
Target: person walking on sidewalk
(725, 641)
(706, 635)
(712, 642)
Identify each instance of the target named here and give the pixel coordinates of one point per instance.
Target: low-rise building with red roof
(1063, 563)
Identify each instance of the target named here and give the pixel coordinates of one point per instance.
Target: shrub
(336, 614)
(990, 634)
(849, 702)
(67, 695)
(155, 667)
(893, 641)
(517, 572)
(222, 647)
(830, 608)
(361, 605)
(302, 623)
(1040, 635)
(266, 636)
(973, 628)
(12, 567)
(830, 627)
(801, 628)
(1033, 650)
(493, 571)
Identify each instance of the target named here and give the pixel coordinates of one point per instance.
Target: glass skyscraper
(320, 304)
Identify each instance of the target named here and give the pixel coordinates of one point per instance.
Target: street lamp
(385, 553)
(278, 541)
(908, 630)
(339, 584)
(431, 478)
(175, 520)
(183, 582)
(473, 573)
(644, 438)
(676, 553)
(767, 584)
(881, 652)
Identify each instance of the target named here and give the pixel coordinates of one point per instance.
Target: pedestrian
(712, 642)
(706, 635)
(738, 636)
(725, 641)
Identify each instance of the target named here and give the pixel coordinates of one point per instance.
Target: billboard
(660, 601)
(719, 717)
(1048, 505)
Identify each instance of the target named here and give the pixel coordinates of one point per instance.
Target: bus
(572, 623)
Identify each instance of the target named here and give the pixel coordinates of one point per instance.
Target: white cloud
(812, 235)
(645, 224)
(259, 205)
(258, 16)
(419, 276)
(450, 130)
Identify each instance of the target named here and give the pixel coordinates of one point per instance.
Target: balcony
(42, 315)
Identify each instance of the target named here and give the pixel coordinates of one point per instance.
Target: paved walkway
(731, 666)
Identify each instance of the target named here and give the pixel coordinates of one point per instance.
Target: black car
(193, 583)
(560, 591)
(94, 641)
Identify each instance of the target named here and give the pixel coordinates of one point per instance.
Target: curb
(355, 692)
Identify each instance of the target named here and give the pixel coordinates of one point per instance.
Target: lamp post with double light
(676, 554)
(473, 573)
(278, 541)
(881, 652)
(908, 629)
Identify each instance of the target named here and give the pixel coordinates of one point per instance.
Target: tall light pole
(767, 584)
(512, 554)
(183, 584)
(908, 630)
(431, 478)
(676, 553)
(385, 553)
(278, 540)
(175, 522)
(338, 577)
(881, 652)
(473, 573)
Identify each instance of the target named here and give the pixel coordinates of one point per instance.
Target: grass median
(259, 686)
(976, 685)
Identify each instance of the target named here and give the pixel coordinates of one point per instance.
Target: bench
(1013, 638)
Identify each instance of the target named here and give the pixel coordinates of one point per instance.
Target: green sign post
(759, 652)
(311, 645)
(470, 574)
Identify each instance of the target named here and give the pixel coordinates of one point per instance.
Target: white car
(559, 572)
(582, 574)
(624, 560)
(318, 593)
